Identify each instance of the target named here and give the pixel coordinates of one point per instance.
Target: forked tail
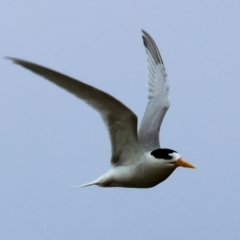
(95, 182)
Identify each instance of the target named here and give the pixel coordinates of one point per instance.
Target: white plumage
(137, 159)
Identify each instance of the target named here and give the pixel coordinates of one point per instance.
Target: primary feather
(119, 119)
(158, 97)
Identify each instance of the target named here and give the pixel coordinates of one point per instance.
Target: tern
(137, 159)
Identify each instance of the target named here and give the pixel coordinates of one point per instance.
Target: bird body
(145, 173)
(137, 159)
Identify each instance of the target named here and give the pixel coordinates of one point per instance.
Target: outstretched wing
(119, 119)
(158, 100)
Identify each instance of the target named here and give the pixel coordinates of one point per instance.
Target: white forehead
(175, 155)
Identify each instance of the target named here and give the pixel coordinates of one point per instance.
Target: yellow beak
(183, 163)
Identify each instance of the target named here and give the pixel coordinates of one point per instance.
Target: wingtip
(14, 60)
(150, 44)
(145, 32)
(7, 58)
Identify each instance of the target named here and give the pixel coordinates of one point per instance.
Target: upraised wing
(119, 119)
(158, 96)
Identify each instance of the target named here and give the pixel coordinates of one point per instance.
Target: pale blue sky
(51, 141)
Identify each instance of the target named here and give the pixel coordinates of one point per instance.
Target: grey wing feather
(119, 119)
(158, 96)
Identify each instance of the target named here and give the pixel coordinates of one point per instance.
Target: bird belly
(135, 177)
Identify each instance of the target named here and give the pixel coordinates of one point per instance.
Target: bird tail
(95, 182)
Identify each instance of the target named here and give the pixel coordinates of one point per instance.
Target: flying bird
(137, 159)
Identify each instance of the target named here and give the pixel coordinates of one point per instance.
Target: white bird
(137, 160)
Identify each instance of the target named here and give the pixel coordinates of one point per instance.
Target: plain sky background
(50, 140)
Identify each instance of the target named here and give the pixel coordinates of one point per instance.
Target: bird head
(170, 157)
